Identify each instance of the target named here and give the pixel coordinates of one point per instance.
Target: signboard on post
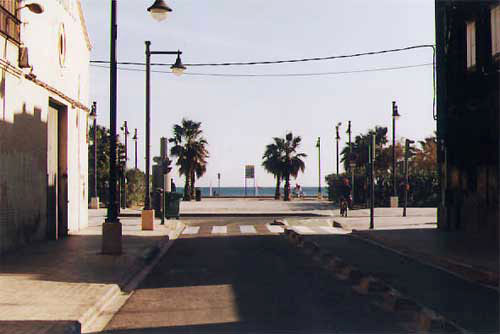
(249, 171)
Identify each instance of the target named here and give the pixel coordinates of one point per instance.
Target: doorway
(57, 171)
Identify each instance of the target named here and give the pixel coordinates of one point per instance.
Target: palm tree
(190, 148)
(273, 161)
(292, 161)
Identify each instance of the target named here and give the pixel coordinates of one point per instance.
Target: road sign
(249, 172)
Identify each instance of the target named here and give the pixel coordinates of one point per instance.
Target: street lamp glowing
(159, 10)
(178, 68)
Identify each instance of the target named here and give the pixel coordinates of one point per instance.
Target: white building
(44, 99)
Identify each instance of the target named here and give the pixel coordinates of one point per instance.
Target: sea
(251, 191)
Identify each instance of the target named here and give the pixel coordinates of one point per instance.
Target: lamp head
(34, 7)
(159, 10)
(93, 112)
(178, 68)
(395, 113)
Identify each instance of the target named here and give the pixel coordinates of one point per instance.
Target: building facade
(468, 65)
(44, 99)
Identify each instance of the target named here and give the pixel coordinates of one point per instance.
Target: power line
(270, 62)
(275, 74)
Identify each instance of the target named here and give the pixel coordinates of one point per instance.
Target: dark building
(468, 65)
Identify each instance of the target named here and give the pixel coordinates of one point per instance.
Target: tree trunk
(187, 196)
(287, 188)
(278, 184)
(193, 181)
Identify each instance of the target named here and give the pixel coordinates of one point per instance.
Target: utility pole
(408, 142)
(338, 139)
(318, 145)
(371, 153)
(135, 140)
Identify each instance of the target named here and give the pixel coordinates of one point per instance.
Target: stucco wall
(24, 108)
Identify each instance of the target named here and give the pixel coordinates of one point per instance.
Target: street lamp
(177, 68)
(318, 145)
(338, 139)
(395, 116)
(134, 138)
(112, 228)
(94, 200)
(124, 128)
(159, 10)
(351, 159)
(34, 7)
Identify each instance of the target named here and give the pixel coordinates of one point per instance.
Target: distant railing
(10, 25)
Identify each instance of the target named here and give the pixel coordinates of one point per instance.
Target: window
(9, 23)
(495, 30)
(471, 44)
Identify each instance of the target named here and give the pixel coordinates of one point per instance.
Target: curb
(412, 315)
(236, 214)
(98, 316)
(464, 271)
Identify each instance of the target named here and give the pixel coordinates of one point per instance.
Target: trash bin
(172, 204)
(198, 194)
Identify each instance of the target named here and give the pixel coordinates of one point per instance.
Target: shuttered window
(495, 30)
(9, 22)
(471, 44)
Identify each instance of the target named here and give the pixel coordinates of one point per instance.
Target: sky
(241, 115)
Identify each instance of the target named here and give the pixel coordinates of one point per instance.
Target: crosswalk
(274, 229)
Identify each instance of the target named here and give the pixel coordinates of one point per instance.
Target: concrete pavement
(60, 286)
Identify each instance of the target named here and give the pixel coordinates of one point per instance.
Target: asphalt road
(244, 283)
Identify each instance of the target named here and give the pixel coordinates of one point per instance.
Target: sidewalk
(417, 236)
(58, 286)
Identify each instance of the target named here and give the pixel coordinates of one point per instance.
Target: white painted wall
(23, 156)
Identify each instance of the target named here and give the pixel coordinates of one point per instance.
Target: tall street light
(338, 139)
(134, 138)
(177, 68)
(94, 200)
(351, 160)
(395, 116)
(318, 145)
(112, 228)
(124, 185)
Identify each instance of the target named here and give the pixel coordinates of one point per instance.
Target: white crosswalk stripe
(247, 229)
(219, 230)
(191, 230)
(275, 228)
(303, 230)
(333, 230)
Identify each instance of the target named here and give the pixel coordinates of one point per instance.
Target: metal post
(135, 139)
(372, 183)
(394, 151)
(95, 154)
(124, 183)
(406, 184)
(350, 162)
(147, 203)
(319, 166)
(218, 180)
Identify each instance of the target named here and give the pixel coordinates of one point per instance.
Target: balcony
(10, 25)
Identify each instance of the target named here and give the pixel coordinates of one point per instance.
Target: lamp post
(177, 68)
(112, 228)
(318, 145)
(338, 139)
(94, 200)
(134, 138)
(352, 162)
(395, 116)
(124, 185)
